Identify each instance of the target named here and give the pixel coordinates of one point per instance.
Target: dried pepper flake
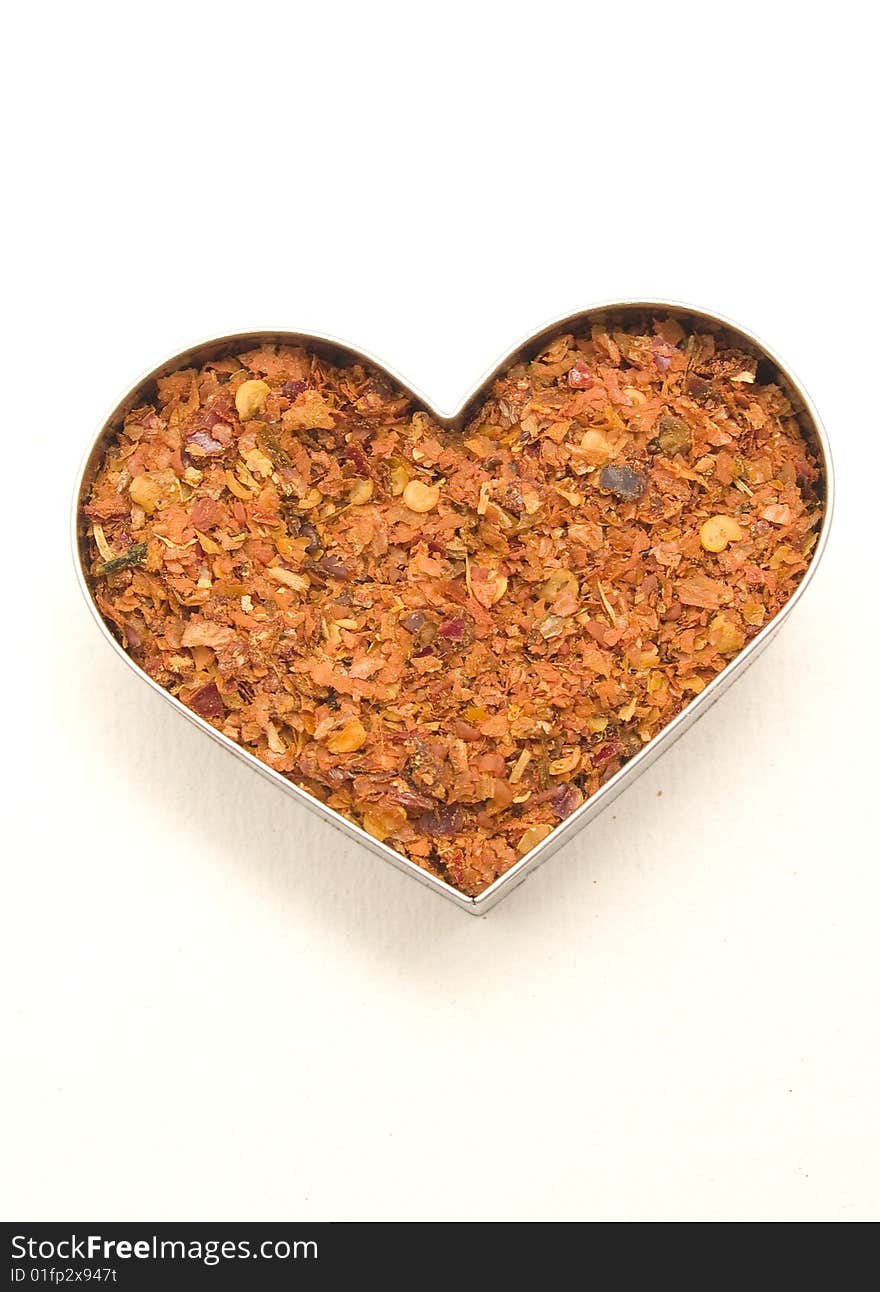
(623, 482)
(674, 435)
(580, 377)
(454, 636)
(207, 701)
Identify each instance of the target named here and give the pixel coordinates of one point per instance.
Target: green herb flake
(135, 555)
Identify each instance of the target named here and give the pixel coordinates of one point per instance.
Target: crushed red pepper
(454, 636)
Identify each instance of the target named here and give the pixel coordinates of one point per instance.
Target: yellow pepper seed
(532, 838)
(146, 492)
(235, 486)
(421, 497)
(398, 478)
(718, 531)
(381, 822)
(348, 738)
(562, 766)
(361, 491)
(558, 582)
(250, 398)
(725, 636)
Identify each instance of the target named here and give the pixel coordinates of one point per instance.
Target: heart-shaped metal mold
(621, 314)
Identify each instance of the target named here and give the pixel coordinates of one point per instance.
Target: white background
(216, 1007)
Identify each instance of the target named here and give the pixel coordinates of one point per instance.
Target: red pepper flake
(202, 440)
(428, 628)
(580, 377)
(207, 701)
(453, 630)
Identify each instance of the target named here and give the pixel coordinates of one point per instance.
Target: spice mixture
(453, 637)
